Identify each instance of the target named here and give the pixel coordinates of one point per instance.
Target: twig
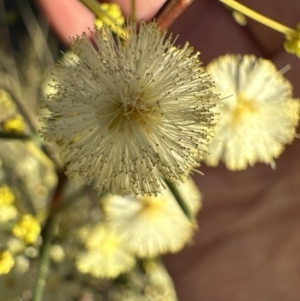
(259, 18)
(18, 136)
(170, 12)
(132, 11)
(47, 235)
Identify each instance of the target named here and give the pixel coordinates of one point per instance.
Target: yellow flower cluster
(6, 195)
(292, 43)
(15, 124)
(27, 229)
(7, 209)
(113, 11)
(11, 122)
(6, 262)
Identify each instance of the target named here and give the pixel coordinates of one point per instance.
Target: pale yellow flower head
(105, 255)
(6, 262)
(258, 115)
(57, 253)
(151, 226)
(132, 112)
(6, 195)
(27, 229)
(22, 264)
(7, 213)
(15, 245)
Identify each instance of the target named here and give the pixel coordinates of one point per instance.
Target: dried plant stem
(56, 198)
(180, 200)
(259, 18)
(133, 9)
(170, 12)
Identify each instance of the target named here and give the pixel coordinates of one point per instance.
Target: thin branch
(17, 136)
(47, 236)
(259, 18)
(133, 10)
(170, 12)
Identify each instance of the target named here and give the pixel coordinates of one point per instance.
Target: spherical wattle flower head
(151, 226)
(258, 114)
(105, 255)
(129, 113)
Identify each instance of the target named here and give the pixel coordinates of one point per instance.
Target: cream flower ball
(130, 113)
(258, 115)
(150, 226)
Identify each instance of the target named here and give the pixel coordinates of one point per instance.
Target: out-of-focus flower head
(8, 211)
(113, 11)
(105, 256)
(258, 114)
(6, 195)
(151, 226)
(6, 262)
(27, 229)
